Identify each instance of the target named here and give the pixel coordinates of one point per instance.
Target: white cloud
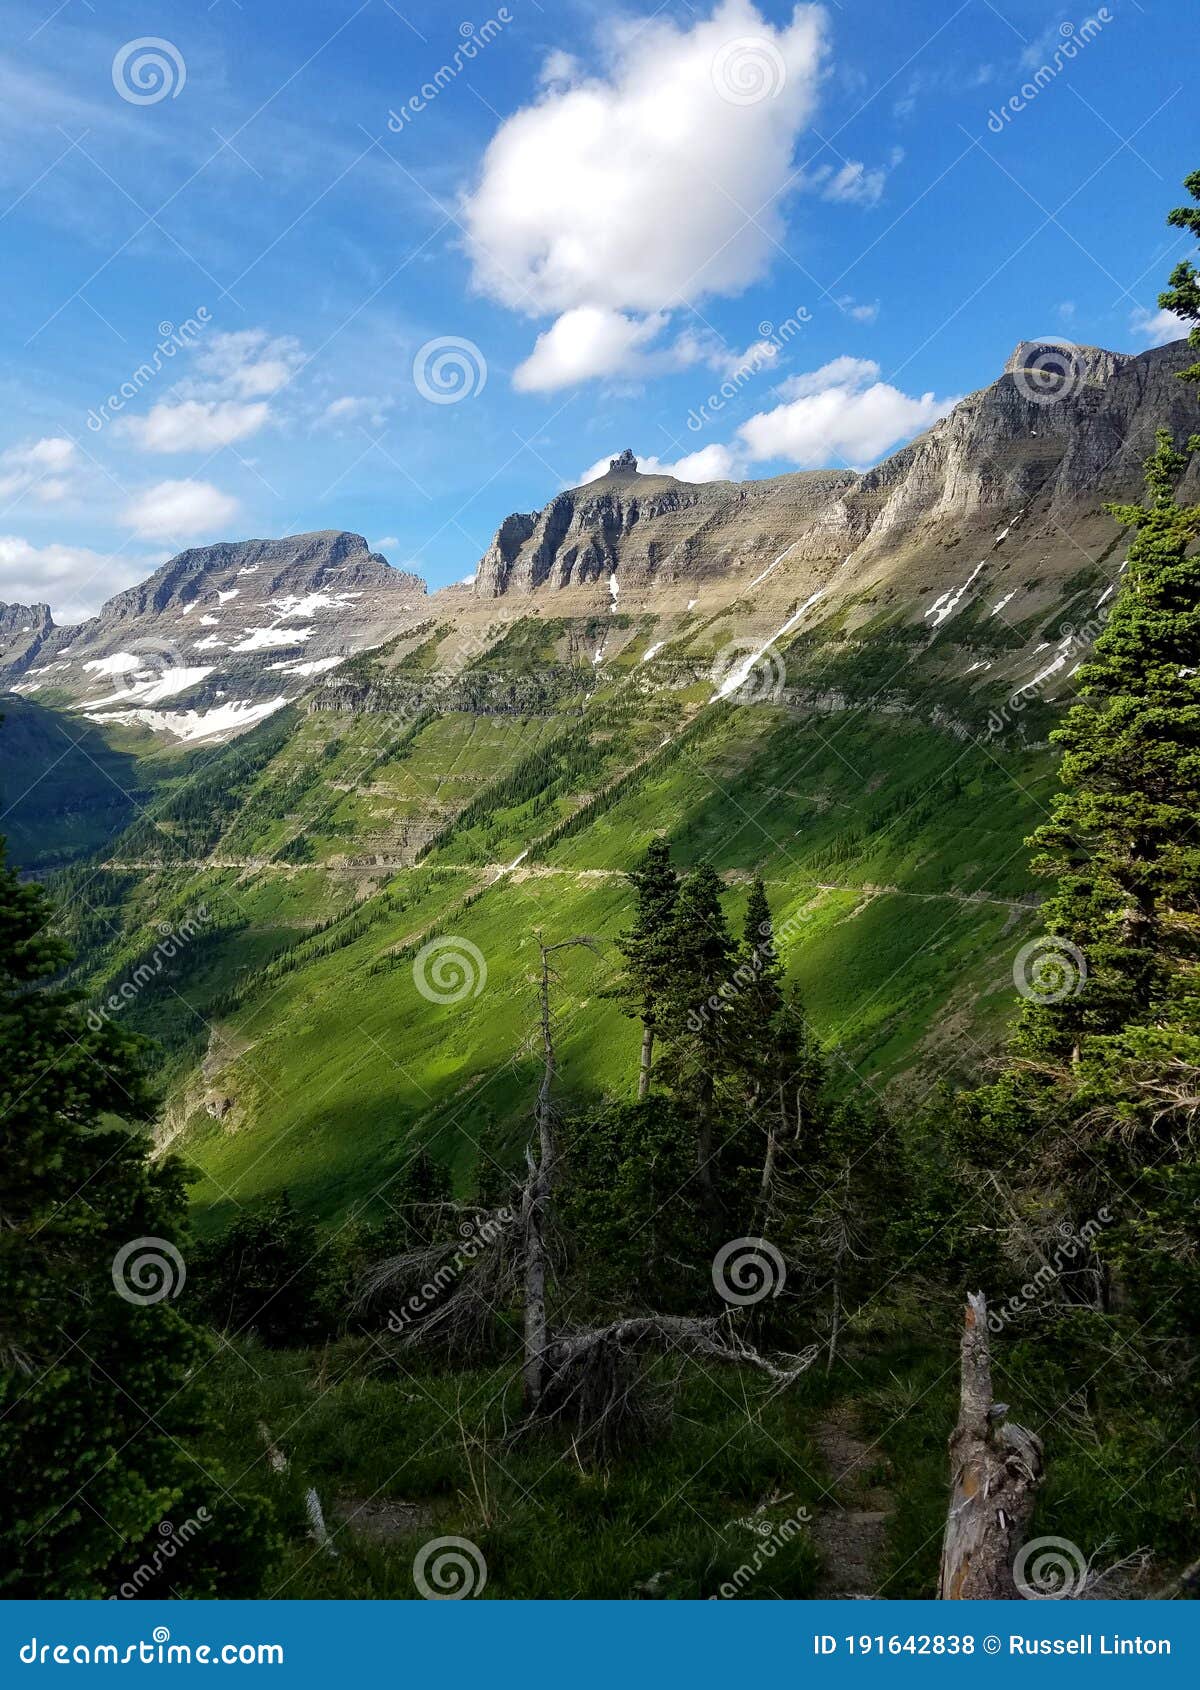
(248, 364)
(630, 191)
(179, 510)
(711, 463)
(864, 313)
(195, 425)
(853, 184)
(37, 469)
(839, 414)
(71, 579)
(1159, 328)
(354, 407)
(389, 543)
(589, 340)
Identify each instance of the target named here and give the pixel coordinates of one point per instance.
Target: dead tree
(996, 1467)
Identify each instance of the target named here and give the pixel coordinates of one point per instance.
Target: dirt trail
(850, 1529)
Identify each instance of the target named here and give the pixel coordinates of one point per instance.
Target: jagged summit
(219, 636)
(1064, 426)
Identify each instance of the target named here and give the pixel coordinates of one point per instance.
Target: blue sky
(431, 264)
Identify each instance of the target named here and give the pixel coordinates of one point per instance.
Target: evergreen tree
(265, 1275)
(648, 947)
(98, 1392)
(694, 1011)
(1098, 1101)
(1183, 295)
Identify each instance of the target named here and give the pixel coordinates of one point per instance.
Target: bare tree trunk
(647, 1057)
(996, 1468)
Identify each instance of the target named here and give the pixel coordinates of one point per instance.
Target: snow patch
(948, 603)
(772, 565)
(1007, 599)
(653, 651)
(313, 666)
(737, 676)
(158, 687)
(265, 639)
(196, 724)
(232, 593)
(120, 663)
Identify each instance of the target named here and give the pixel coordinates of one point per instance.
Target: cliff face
(219, 636)
(1062, 429)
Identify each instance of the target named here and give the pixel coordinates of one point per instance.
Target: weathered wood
(996, 1468)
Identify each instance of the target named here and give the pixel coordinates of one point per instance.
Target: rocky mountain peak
(625, 463)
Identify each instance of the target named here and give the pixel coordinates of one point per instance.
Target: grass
(400, 1455)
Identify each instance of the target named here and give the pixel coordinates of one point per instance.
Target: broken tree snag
(995, 1469)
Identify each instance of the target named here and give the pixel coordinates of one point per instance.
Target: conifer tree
(1100, 1094)
(648, 947)
(97, 1389)
(695, 1013)
(1183, 295)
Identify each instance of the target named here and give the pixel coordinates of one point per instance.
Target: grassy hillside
(326, 847)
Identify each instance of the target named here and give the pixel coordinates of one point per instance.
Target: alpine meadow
(646, 1047)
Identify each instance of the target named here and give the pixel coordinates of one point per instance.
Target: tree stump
(996, 1468)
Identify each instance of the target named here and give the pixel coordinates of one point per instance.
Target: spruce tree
(648, 947)
(1183, 295)
(97, 1391)
(695, 1014)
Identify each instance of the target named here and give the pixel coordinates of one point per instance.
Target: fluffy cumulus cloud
(711, 463)
(175, 511)
(619, 195)
(841, 414)
(41, 468)
(73, 580)
(1157, 328)
(586, 341)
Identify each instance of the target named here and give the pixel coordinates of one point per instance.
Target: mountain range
(313, 770)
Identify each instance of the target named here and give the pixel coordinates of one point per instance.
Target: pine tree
(1183, 295)
(97, 1391)
(694, 1014)
(648, 947)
